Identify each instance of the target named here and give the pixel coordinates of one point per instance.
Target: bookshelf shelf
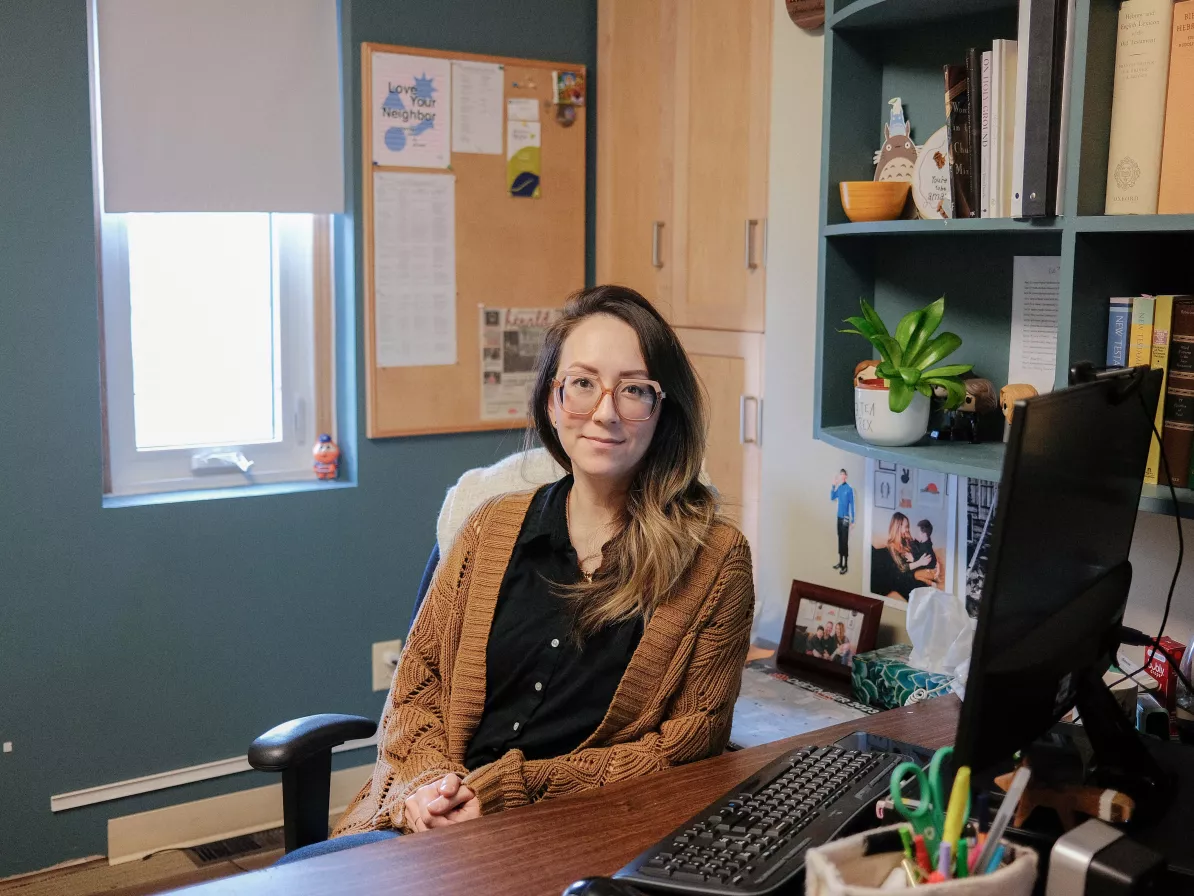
(1157, 499)
(1135, 223)
(880, 14)
(968, 226)
(984, 461)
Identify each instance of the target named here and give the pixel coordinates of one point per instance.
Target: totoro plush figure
(896, 158)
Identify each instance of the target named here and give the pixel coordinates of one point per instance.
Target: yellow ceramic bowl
(869, 200)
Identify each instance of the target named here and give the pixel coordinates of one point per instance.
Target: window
(211, 355)
(215, 250)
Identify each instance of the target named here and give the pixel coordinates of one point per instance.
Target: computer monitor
(1058, 572)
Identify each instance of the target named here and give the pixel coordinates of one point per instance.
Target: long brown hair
(899, 539)
(668, 510)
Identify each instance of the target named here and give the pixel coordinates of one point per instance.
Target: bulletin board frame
(511, 251)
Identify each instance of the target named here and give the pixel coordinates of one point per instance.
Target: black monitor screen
(1058, 571)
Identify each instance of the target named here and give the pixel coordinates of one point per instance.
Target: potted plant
(893, 407)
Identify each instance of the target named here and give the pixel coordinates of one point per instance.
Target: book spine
(1138, 107)
(1022, 36)
(1140, 343)
(1159, 360)
(1041, 111)
(1177, 174)
(974, 91)
(1177, 431)
(1119, 322)
(1066, 30)
(1007, 163)
(985, 167)
(957, 122)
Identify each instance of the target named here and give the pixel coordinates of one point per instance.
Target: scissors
(927, 818)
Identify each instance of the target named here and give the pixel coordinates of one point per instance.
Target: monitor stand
(1107, 751)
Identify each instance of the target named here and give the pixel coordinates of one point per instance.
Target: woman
(890, 563)
(844, 652)
(591, 631)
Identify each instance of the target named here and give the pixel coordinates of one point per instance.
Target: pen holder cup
(850, 867)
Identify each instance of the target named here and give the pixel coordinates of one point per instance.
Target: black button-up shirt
(544, 695)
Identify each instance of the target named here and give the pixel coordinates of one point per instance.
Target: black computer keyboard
(753, 840)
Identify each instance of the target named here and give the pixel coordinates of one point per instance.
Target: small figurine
(327, 458)
(865, 370)
(979, 414)
(1010, 394)
(896, 159)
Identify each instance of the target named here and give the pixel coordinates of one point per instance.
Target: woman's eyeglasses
(635, 400)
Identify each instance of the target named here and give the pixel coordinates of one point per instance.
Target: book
(1159, 360)
(1177, 430)
(1138, 106)
(1119, 323)
(1016, 188)
(974, 90)
(1040, 70)
(1176, 194)
(957, 124)
(1065, 32)
(1003, 125)
(1140, 338)
(984, 197)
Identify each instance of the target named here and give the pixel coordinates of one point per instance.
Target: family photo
(910, 525)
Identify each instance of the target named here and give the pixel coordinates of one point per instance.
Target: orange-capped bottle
(327, 458)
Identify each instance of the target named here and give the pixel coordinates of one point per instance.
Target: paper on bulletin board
(522, 158)
(414, 265)
(510, 343)
(477, 89)
(1036, 286)
(412, 118)
(522, 109)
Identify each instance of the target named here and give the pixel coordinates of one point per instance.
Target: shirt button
(516, 724)
(538, 685)
(555, 642)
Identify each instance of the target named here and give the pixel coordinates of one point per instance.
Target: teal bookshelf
(877, 49)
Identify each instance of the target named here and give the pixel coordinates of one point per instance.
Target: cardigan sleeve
(413, 747)
(697, 724)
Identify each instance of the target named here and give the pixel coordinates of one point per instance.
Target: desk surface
(538, 850)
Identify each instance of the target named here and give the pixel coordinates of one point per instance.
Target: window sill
(216, 494)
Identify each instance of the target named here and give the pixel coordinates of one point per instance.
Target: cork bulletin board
(518, 238)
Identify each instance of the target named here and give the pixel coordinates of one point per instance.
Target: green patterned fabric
(883, 678)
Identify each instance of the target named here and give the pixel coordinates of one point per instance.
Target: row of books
(1158, 332)
(1006, 113)
(1152, 112)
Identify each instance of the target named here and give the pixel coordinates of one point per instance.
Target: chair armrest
(291, 743)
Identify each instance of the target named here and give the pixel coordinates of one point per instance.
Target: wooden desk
(538, 850)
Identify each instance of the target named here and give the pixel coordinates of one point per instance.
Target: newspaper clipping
(510, 342)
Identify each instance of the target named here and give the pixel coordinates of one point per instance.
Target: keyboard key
(655, 872)
(691, 877)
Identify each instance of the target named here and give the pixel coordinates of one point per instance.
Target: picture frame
(812, 608)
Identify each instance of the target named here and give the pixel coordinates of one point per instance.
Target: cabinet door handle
(757, 438)
(656, 254)
(751, 225)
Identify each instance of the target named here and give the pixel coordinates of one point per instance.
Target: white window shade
(220, 106)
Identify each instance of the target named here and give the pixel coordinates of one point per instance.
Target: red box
(1166, 677)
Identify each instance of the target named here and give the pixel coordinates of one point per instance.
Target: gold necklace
(581, 561)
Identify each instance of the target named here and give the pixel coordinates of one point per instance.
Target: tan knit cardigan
(673, 705)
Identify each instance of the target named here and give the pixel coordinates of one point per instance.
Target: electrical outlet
(385, 661)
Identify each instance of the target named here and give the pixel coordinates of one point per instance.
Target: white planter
(879, 425)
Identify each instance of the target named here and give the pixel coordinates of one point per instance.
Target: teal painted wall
(139, 640)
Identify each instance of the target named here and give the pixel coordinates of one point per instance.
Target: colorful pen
(963, 858)
(906, 836)
(945, 859)
(996, 860)
(959, 799)
(983, 812)
(922, 854)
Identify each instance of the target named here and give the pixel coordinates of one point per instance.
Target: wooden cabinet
(684, 104)
(730, 366)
